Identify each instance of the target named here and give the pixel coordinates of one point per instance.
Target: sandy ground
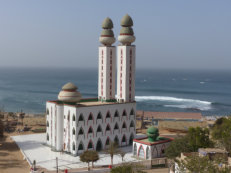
(11, 158)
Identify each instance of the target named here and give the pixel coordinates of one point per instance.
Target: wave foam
(178, 102)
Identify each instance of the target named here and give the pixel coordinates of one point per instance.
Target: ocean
(208, 92)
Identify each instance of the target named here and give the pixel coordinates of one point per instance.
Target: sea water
(208, 92)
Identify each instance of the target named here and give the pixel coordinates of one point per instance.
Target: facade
(75, 124)
(152, 146)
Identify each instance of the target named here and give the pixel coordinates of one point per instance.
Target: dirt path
(11, 158)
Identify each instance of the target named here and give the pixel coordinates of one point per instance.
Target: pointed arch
(154, 152)
(81, 131)
(99, 128)
(141, 152)
(124, 113)
(99, 116)
(90, 117)
(132, 124)
(108, 115)
(116, 114)
(132, 112)
(108, 128)
(147, 153)
(107, 141)
(116, 140)
(73, 117)
(81, 118)
(124, 139)
(116, 127)
(124, 125)
(99, 145)
(73, 131)
(131, 139)
(47, 123)
(90, 145)
(135, 150)
(162, 150)
(81, 146)
(90, 131)
(47, 111)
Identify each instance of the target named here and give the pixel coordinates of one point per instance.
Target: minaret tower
(126, 62)
(107, 63)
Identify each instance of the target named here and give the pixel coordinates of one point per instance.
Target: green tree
(221, 132)
(194, 139)
(112, 149)
(89, 156)
(128, 168)
(196, 164)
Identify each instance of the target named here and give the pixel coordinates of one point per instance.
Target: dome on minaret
(126, 21)
(69, 94)
(107, 23)
(107, 36)
(126, 36)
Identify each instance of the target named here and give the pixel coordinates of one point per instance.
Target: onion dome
(107, 36)
(126, 21)
(126, 36)
(153, 134)
(69, 94)
(107, 23)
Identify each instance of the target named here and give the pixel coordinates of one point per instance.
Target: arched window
(135, 150)
(108, 115)
(99, 129)
(73, 146)
(99, 145)
(80, 146)
(90, 145)
(99, 116)
(90, 117)
(90, 130)
(73, 117)
(81, 132)
(141, 152)
(124, 113)
(132, 124)
(147, 153)
(47, 137)
(107, 141)
(47, 123)
(81, 117)
(124, 138)
(73, 131)
(116, 140)
(116, 126)
(124, 125)
(68, 116)
(47, 111)
(131, 139)
(116, 114)
(132, 112)
(108, 128)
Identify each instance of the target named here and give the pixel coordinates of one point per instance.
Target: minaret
(126, 62)
(107, 63)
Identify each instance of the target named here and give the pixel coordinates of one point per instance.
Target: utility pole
(57, 167)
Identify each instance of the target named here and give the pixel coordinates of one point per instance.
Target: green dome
(153, 133)
(107, 32)
(126, 30)
(126, 21)
(107, 23)
(152, 130)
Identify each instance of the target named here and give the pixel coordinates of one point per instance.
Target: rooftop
(158, 141)
(170, 115)
(87, 102)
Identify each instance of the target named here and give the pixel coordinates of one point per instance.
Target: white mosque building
(75, 124)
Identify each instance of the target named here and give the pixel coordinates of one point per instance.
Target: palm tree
(112, 149)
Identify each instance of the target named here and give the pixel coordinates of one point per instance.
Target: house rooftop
(145, 140)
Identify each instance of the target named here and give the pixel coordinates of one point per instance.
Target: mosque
(75, 124)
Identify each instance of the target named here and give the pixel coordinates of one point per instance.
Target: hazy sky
(192, 34)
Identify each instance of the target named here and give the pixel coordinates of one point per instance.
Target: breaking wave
(178, 102)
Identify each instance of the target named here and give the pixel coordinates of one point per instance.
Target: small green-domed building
(152, 146)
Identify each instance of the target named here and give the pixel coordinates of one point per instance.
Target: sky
(177, 34)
